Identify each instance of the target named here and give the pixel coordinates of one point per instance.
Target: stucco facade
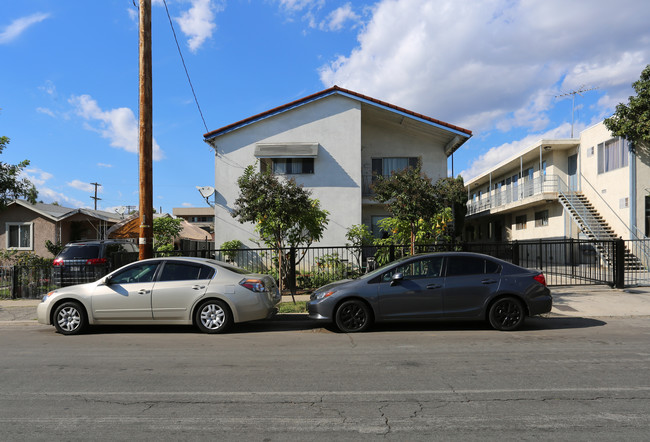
(339, 135)
(529, 196)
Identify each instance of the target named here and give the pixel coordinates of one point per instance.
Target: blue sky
(69, 82)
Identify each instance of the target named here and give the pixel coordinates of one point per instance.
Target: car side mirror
(108, 280)
(397, 277)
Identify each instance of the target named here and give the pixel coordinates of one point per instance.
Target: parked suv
(87, 261)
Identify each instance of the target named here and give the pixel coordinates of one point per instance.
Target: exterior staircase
(594, 226)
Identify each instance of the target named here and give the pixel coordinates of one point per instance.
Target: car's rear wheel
(70, 318)
(353, 316)
(507, 314)
(213, 316)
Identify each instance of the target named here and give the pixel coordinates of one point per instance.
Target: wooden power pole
(146, 134)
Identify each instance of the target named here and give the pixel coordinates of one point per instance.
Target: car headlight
(323, 295)
(48, 295)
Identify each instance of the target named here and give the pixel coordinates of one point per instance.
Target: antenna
(580, 91)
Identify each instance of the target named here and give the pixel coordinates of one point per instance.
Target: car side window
(422, 268)
(177, 271)
(135, 273)
(470, 265)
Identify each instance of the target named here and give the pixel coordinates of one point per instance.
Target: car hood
(331, 286)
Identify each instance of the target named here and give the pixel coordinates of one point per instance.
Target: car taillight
(96, 261)
(540, 278)
(58, 262)
(255, 285)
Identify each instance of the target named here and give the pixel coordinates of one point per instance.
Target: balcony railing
(513, 192)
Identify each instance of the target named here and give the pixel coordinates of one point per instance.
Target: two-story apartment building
(591, 187)
(331, 142)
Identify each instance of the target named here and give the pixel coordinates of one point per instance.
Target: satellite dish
(206, 191)
(121, 210)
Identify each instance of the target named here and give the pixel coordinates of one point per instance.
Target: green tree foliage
(283, 213)
(12, 186)
(409, 196)
(165, 231)
(358, 236)
(632, 120)
(452, 194)
(230, 249)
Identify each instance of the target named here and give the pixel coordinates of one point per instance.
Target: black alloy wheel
(507, 314)
(353, 316)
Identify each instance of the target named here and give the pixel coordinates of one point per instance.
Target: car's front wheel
(70, 318)
(507, 314)
(213, 316)
(353, 316)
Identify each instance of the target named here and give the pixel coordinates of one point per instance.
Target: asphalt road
(557, 379)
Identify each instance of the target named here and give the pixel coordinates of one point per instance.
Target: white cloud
(108, 166)
(339, 17)
(187, 205)
(20, 25)
(198, 22)
(117, 125)
(500, 153)
(86, 187)
(482, 63)
(300, 5)
(46, 111)
(48, 195)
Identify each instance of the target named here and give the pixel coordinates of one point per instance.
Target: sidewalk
(595, 301)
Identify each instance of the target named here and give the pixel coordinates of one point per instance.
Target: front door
(416, 295)
(128, 294)
(572, 172)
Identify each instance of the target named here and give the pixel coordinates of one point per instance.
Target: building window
(288, 166)
(541, 218)
(612, 155)
(386, 166)
(19, 236)
(521, 222)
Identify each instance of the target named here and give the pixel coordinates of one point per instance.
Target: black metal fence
(564, 262)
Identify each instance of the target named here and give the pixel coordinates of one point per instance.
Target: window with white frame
(19, 236)
(612, 155)
(288, 166)
(386, 166)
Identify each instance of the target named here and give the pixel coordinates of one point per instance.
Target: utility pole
(95, 197)
(145, 240)
(580, 90)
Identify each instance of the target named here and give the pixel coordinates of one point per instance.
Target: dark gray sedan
(454, 285)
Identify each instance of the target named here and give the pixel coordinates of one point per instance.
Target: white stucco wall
(335, 124)
(604, 190)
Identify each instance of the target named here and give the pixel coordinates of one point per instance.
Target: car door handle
(434, 286)
(488, 281)
(143, 291)
(198, 287)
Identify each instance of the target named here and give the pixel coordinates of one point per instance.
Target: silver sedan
(209, 294)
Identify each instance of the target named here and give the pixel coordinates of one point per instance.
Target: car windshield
(382, 269)
(79, 251)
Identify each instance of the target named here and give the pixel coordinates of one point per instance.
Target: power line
(185, 67)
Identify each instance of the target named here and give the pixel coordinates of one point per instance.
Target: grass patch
(290, 307)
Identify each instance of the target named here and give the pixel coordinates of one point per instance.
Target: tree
(282, 211)
(165, 231)
(632, 120)
(452, 194)
(12, 186)
(409, 196)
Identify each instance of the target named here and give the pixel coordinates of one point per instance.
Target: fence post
(14, 283)
(292, 272)
(619, 263)
(391, 253)
(515, 252)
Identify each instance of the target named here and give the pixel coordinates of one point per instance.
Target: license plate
(75, 269)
